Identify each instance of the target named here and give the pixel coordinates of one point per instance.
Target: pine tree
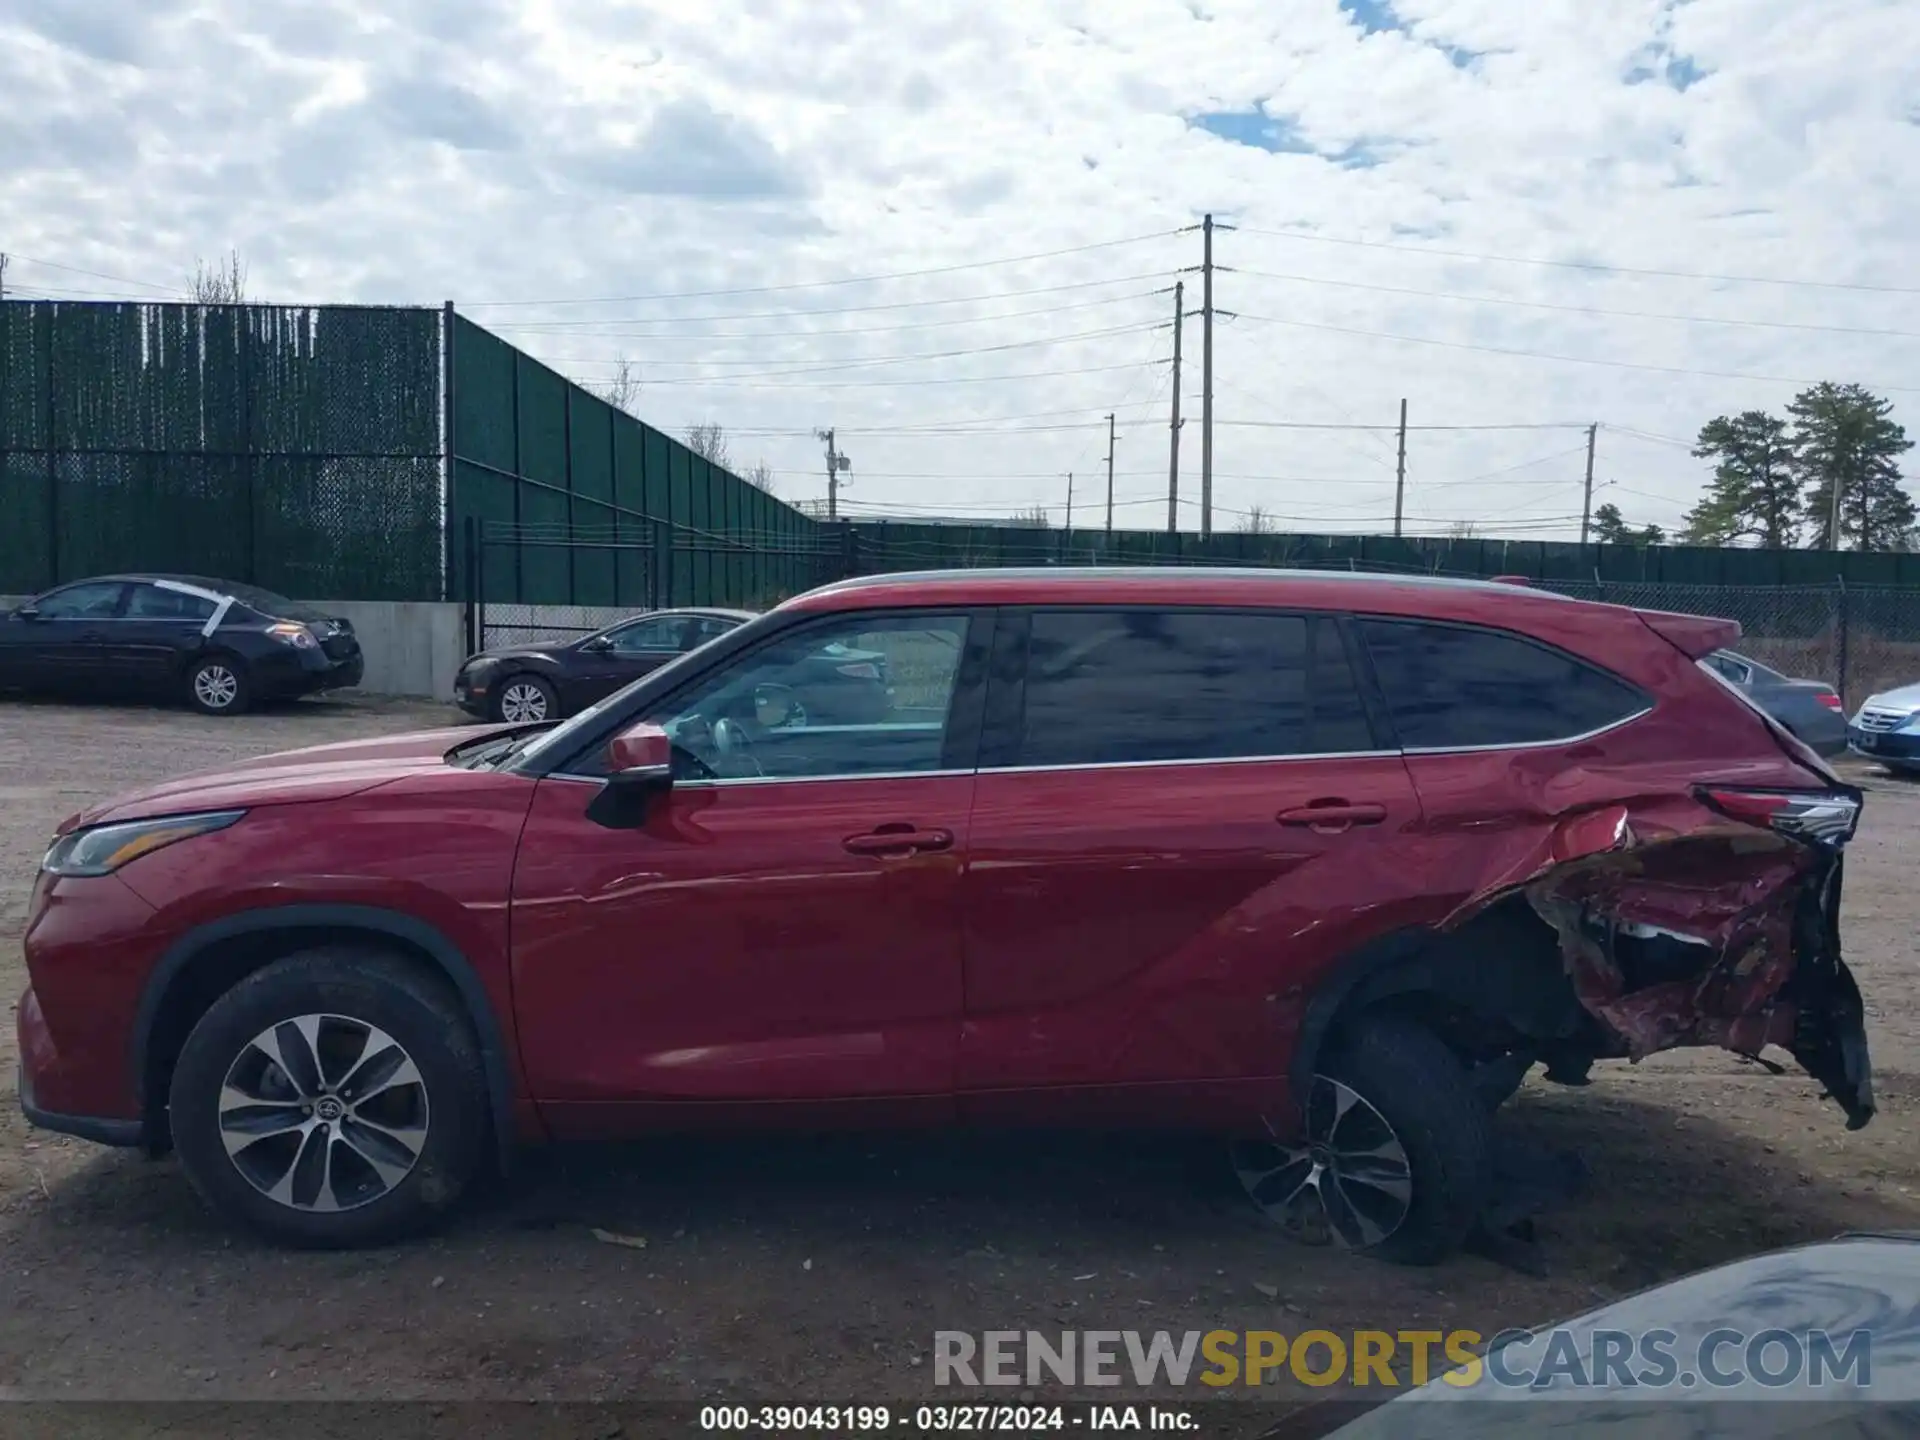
(1609, 528)
(1755, 490)
(1844, 434)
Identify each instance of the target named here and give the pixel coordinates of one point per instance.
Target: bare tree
(224, 283)
(622, 388)
(760, 476)
(1032, 518)
(709, 441)
(1460, 530)
(1258, 522)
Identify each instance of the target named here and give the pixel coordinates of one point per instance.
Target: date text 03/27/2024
(940, 1419)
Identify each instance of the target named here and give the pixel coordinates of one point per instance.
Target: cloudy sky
(951, 230)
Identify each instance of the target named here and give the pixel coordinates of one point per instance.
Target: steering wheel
(731, 743)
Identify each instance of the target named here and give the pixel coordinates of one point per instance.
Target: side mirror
(599, 643)
(29, 611)
(640, 758)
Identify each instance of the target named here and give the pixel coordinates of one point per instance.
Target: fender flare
(445, 955)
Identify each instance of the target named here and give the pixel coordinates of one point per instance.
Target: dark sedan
(1810, 709)
(217, 645)
(527, 683)
(551, 679)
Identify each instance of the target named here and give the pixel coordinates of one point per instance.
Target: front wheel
(1393, 1153)
(335, 1098)
(218, 686)
(525, 700)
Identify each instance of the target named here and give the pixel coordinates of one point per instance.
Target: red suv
(1323, 863)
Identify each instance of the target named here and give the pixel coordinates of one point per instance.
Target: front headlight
(297, 636)
(105, 848)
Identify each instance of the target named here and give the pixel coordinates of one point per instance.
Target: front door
(784, 925)
(1182, 817)
(70, 645)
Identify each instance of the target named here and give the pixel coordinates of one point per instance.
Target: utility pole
(1173, 462)
(1586, 508)
(1069, 502)
(1400, 474)
(1833, 517)
(1109, 474)
(837, 465)
(1206, 376)
(3, 274)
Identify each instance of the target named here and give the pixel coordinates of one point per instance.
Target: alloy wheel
(215, 686)
(522, 702)
(1345, 1181)
(323, 1113)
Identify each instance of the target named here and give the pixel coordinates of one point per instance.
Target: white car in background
(1887, 728)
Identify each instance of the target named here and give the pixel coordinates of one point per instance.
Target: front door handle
(898, 840)
(1331, 817)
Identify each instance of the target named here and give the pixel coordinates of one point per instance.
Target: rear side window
(1452, 687)
(1117, 686)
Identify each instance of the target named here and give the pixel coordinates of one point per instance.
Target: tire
(524, 693)
(217, 685)
(396, 1146)
(1416, 1204)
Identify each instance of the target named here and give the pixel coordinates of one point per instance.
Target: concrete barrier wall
(412, 646)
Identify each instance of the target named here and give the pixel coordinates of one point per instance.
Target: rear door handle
(898, 840)
(1332, 816)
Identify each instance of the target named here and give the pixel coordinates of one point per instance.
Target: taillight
(1829, 816)
(860, 670)
(1830, 700)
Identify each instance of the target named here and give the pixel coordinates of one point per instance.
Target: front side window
(1456, 687)
(1130, 686)
(95, 601)
(856, 695)
(662, 632)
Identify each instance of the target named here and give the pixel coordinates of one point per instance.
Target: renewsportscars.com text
(1513, 1359)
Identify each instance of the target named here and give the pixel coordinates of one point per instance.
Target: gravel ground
(799, 1267)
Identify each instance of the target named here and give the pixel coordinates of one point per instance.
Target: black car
(527, 683)
(217, 645)
(1809, 709)
(549, 679)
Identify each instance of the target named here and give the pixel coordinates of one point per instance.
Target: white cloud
(505, 150)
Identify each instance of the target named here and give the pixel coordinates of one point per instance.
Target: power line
(93, 274)
(704, 337)
(1573, 309)
(1560, 359)
(870, 361)
(1589, 265)
(791, 313)
(822, 284)
(731, 381)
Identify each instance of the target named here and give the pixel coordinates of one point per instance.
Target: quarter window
(1130, 686)
(1453, 687)
(858, 695)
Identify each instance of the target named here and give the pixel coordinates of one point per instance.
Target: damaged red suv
(1323, 863)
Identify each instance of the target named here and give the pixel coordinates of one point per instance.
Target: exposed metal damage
(1723, 935)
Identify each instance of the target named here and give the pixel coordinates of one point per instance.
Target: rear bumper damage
(1725, 936)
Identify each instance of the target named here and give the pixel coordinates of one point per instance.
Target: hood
(545, 650)
(319, 772)
(1907, 697)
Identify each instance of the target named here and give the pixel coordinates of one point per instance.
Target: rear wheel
(217, 685)
(335, 1098)
(1393, 1153)
(525, 699)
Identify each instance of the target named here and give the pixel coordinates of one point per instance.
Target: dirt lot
(804, 1268)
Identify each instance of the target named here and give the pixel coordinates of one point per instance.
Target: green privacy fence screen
(578, 503)
(346, 452)
(293, 447)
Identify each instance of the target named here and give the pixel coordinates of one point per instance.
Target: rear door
(162, 627)
(1181, 816)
